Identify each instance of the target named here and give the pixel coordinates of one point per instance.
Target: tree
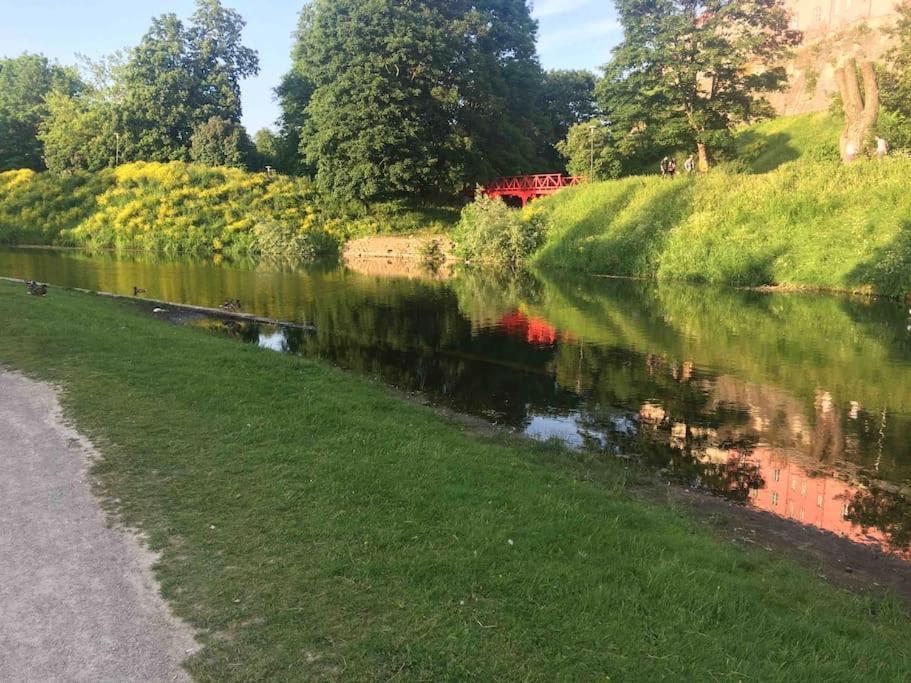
(590, 151)
(79, 133)
(391, 98)
(294, 94)
(25, 81)
(158, 84)
(268, 148)
(688, 71)
(861, 109)
(219, 61)
(179, 77)
(567, 98)
(220, 142)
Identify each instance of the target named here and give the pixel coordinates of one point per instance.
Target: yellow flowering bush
(169, 207)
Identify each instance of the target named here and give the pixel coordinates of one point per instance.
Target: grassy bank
(179, 207)
(317, 527)
(765, 146)
(807, 223)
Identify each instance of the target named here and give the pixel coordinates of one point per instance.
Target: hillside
(766, 146)
(807, 223)
(164, 207)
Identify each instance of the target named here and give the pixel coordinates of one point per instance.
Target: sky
(574, 34)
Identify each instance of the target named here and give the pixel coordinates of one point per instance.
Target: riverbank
(314, 525)
(807, 224)
(193, 209)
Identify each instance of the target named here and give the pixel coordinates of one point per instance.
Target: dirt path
(78, 601)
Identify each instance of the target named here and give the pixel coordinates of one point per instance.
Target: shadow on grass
(758, 271)
(889, 270)
(765, 152)
(625, 235)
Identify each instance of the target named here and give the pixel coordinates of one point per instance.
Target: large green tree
(392, 98)
(688, 71)
(219, 61)
(25, 82)
(157, 84)
(590, 152)
(79, 133)
(567, 99)
(179, 77)
(294, 94)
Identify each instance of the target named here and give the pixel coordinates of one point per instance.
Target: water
(796, 404)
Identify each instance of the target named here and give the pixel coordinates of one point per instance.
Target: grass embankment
(808, 223)
(316, 527)
(765, 146)
(179, 207)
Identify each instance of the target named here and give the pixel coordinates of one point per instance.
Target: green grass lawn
(316, 526)
(815, 224)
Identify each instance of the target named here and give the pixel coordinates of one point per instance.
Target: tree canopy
(567, 99)
(25, 82)
(424, 97)
(688, 71)
(175, 96)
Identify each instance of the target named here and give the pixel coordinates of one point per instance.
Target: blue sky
(574, 34)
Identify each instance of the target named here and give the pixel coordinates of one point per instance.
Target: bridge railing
(544, 182)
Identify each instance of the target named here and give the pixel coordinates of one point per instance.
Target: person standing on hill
(665, 163)
(850, 152)
(671, 167)
(882, 147)
(690, 164)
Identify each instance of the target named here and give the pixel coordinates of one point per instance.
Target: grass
(794, 216)
(178, 207)
(815, 224)
(315, 526)
(766, 146)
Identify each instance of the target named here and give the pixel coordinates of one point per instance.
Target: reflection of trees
(485, 296)
(857, 350)
(888, 512)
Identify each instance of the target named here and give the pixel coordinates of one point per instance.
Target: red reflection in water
(532, 329)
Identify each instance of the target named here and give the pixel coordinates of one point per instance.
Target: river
(796, 404)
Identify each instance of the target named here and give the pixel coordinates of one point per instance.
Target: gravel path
(78, 601)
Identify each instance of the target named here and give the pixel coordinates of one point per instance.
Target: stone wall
(833, 30)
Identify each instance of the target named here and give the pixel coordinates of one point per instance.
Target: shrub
(283, 241)
(432, 254)
(491, 232)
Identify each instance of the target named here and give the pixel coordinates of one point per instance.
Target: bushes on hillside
(174, 207)
(491, 232)
(36, 208)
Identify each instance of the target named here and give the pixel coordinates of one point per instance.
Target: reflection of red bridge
(536, 331)
(528, 187)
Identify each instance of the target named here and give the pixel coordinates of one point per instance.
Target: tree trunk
(860, 111)
(703, 157)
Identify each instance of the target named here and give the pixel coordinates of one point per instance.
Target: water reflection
(798, 405)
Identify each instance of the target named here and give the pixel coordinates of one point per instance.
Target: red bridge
(528, 187)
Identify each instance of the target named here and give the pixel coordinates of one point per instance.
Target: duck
(37, 290)
(232, 305)
(138, 291)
